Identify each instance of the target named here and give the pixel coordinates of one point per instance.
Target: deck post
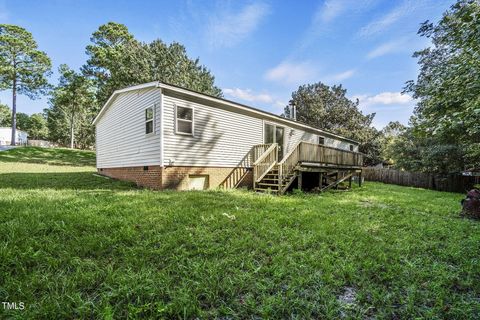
(360, 179)
(320, 182)
(300, 176)
(350, 182)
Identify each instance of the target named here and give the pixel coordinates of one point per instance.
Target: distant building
(6, 136)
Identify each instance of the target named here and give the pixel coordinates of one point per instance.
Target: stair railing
(258, 150)
(265, 163)
(288, 164)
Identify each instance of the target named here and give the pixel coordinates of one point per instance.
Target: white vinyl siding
(222, 137)
(120, 132)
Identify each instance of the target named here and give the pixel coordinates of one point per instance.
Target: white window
(149, 118)
(184, 120)
(351, 147)
(321, 140)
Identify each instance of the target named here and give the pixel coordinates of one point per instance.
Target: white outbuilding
(6, 136)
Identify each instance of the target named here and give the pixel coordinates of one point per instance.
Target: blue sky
(259, 51)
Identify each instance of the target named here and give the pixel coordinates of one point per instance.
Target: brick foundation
(150, 178)
(156, 177)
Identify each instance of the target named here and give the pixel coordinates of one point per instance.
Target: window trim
(275, 125)
(323, 138)
(192, 121)
(145, 120)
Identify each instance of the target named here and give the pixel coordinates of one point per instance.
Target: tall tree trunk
(14, 111)
(72, 135)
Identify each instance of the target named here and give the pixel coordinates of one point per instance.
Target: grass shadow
(50, 156)
(61, 180)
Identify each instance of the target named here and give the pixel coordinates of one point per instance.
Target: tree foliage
(37, 127)
(390, 136)
(73, 106)
(415, 153)
(447, 116)
(117, 60)
(23, 68)
(23, 121)
(5, 116)
(328, 108)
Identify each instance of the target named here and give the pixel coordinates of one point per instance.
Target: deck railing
(316, 153)
(265, 162)
(265, 158)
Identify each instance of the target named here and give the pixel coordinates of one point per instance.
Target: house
(166, 137)
(6, 136)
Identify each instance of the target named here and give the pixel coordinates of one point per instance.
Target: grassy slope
(76, 245)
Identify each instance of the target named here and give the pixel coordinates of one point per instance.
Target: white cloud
(327, 12)
(343, 75)
(384, 98)
(379, 25)
(227, 29)
(330, 10)
(386, 48)
(298, 73)
(250, 96)
(292, 73)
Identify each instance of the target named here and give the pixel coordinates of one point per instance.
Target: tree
(329, 109)
(38, 127)
(5, 116)
(391, 133)
(57, 124)
(447, 87)
(171, 64)
(23, 68)
(74, 96)
(117, 60)
(412, 152)
(23, 121)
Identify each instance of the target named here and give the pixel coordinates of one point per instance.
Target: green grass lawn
(76, 245)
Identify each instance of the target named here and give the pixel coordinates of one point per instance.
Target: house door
(275, 134)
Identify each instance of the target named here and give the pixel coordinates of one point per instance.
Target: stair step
(268, 184)
(267, 190)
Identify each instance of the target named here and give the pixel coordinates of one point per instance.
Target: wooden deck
(332, 165)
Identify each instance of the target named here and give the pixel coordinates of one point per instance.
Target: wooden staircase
(271, 182)
(270, 175)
